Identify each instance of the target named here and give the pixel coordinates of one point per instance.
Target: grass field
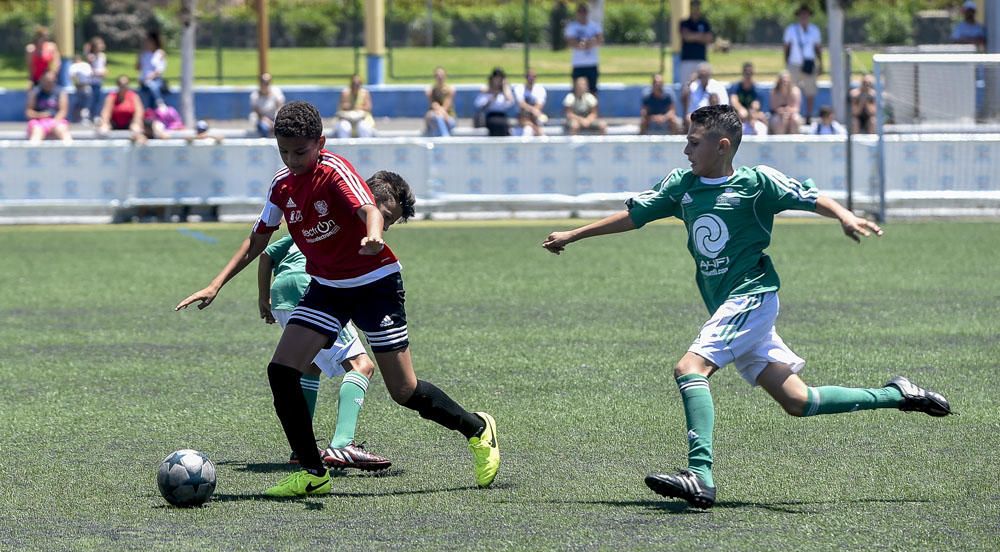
(416, 65)
(100, 379)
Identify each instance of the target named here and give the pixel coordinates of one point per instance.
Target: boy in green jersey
(276, 300)
(729, 214)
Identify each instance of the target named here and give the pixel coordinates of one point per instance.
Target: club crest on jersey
(728, 198)
(321, 208)
(294, 217)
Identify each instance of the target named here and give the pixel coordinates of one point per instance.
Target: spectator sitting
(968, 31)
(151, 63)
(440, 117)
(827, 124)
(157, 121)
(264, 105)
(39, 55)
(530, 97)
(46, 109)
(202, 133)
(98, 60)
(658, 114)
(81, 74)
(354, 115)
(492, 104)
(786, 100)
(744, 93)
(863, 106)
(755, 124)
(122, 111)
(702, 90)
(581, 110)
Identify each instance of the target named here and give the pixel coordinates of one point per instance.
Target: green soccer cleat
(301, 483)
(486, 452)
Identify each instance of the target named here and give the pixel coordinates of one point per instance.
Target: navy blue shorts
(375, 308)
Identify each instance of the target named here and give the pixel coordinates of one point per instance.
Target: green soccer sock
(352, 398)
(310, 388)
(831, 399)
(699, 411)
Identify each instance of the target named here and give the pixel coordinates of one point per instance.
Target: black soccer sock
(433, 404)
(293, 412)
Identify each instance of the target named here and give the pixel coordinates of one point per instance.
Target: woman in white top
(264, 105)
(94, 51)
(151, 63)
(493, 103)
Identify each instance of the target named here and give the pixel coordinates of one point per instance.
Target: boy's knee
(685, 366)
(361, 364)
(401, 393)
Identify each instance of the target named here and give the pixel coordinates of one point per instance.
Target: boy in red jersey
(333, 218)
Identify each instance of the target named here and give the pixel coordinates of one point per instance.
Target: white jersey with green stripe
(729, 222)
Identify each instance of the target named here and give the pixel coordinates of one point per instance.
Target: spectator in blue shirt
(658, 114)
(968, 31)
(696, 35)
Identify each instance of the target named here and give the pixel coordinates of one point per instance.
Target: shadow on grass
(275, 467)
(313, 505)
(787, 507)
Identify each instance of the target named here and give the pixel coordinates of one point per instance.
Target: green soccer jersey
(289, 269)
(729, 223)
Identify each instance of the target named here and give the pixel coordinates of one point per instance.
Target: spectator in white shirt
(264, 105)
(94, 51)
(492, 104)
(582, 115)
(584, 37)
(827, 124)
(701, 91)
(151, 63)
(80, 74)
(804, 55)
(530, 98)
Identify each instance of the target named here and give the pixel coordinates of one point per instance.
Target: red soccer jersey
(321, 208)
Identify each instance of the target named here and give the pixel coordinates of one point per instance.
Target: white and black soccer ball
(186, 478)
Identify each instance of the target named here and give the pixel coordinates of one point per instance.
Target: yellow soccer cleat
(486, 452)
(300, 483)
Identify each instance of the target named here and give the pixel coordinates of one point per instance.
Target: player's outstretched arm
(618, 222)
(245, 254)
(854, 226)
(375, 225)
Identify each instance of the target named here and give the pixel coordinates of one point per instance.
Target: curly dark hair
(386, 185)
(298, 120)
(720, 120)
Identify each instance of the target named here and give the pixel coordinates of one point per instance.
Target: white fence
(100, 180)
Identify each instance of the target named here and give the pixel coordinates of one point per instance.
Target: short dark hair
(825, 110)
(386, 185)
(721, 120)
(298, 120)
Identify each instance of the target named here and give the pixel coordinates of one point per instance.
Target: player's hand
(371, 246)
(557, 241)
(206, 296)
(855, 227)
(264, 305)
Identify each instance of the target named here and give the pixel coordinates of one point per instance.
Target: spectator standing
(968, 31)
(827, 124)
(81, 74)
(95, 55)
(786, 101)
(530, 98)
(45, 108)
(39, 55)
(863, 106)
(584, 37)
(658, 114)
(493, 103)
(151, 63)
(804, 55)
(696, 36)
(354, 115)
(702, 90)
(582, 113)
(122, 111)
(440, 117)
(264, 105)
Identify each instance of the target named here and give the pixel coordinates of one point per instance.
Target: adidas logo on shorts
(386, 322)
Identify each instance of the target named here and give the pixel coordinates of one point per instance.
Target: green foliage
(884, 26)
(510, 20)
(628, 24)
(440, 30)
(309, 26)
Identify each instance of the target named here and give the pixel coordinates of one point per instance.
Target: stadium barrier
(102, 181)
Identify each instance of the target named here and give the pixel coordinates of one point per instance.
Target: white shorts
(742, 332)
(329, 360)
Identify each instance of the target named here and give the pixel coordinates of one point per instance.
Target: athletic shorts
(375, 308)
(742, 332)
(346, 347)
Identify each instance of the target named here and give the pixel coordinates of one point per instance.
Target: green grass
(100, 379)
(415, 65)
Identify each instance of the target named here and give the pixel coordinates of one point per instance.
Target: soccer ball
(186, 478)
